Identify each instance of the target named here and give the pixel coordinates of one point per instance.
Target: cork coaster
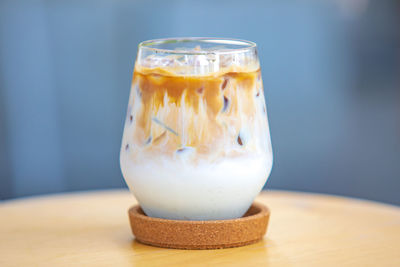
(200, 234)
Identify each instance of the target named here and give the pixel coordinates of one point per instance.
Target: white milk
(177, 189)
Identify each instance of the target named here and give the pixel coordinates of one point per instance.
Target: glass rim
(247, 45)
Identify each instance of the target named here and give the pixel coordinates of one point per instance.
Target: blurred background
(331, 72)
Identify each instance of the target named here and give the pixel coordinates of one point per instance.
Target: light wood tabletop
(92, 229)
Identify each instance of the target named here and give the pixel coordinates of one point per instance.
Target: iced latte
(196, 142)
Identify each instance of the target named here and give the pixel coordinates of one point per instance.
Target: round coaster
(200, 234)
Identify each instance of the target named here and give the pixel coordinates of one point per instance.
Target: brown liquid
(173, 112)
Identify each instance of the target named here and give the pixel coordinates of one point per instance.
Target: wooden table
(92, 229)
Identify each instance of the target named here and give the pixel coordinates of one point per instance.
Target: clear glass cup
(196, 143)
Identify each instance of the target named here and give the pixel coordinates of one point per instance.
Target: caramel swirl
(207, 116)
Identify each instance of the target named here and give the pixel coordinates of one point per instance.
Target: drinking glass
(196, 142)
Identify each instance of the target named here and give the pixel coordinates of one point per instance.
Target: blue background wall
(331, 73)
